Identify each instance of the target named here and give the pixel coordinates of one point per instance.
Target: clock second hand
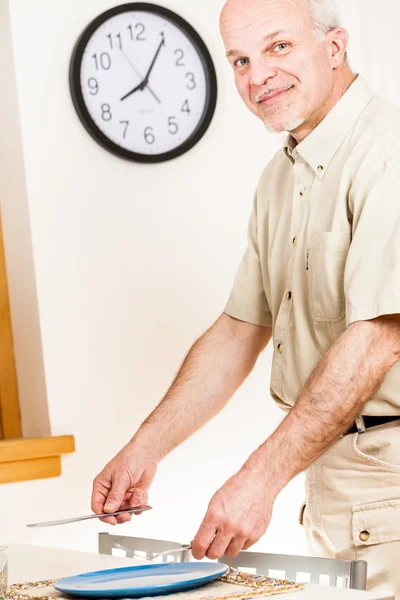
(139, 75)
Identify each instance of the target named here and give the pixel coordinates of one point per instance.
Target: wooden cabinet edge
(25, 449)
(29, 470)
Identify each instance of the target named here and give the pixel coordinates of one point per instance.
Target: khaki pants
(353, 504)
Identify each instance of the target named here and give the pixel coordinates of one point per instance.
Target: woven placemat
(235, 585)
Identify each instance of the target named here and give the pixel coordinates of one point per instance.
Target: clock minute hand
(162, 43)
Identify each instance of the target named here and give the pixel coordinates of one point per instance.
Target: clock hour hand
(139, 75)
(137, 88)
(140, 87)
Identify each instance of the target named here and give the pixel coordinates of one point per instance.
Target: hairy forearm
(215, 367)
(345, 379)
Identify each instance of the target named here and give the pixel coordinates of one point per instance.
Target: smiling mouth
(273, 97)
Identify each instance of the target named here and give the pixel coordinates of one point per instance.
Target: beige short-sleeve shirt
(324, 242)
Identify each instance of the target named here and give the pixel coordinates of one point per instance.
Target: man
(321, 275)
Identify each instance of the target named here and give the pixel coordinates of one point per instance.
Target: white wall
(132, 263)
(18, 246)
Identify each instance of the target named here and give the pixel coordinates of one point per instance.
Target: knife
(130, 511)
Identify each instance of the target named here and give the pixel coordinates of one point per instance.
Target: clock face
(143, 82)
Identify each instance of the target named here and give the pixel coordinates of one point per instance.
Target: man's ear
(338, 40)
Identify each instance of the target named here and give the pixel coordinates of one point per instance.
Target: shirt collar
(321, 145)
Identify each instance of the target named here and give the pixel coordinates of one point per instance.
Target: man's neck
(341, 85)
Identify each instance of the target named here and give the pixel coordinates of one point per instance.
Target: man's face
(282, 70)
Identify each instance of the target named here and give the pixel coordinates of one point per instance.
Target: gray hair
(325, 15)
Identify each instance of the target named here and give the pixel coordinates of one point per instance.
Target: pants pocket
(379, 447)
(376, 522)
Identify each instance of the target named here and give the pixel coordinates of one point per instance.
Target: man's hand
(237, 516)
(123, 483)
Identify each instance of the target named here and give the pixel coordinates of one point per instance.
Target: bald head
(324, 14)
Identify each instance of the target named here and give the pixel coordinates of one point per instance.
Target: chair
(327, 571)
(145, 548)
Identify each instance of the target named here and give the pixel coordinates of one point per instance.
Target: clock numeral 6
(180, 54)
(173, 126)
(93, 86)
(104, 61)
(191, 84)
(149, 135)
(106, 112)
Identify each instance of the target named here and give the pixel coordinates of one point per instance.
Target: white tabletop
(35, 563)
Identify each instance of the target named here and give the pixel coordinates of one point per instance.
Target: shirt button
(280, 348)
(303, 192)
(320, 168)
(364, 536)
(289, 296)
(294, 241)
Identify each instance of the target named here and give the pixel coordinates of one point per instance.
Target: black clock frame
(79, 103)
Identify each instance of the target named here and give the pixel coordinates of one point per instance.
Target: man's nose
(261, 72)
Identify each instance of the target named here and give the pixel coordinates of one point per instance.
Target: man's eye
(240, 62)
(281, 46)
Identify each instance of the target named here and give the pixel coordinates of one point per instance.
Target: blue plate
(143, 580)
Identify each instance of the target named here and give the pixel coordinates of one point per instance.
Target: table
(34, 563)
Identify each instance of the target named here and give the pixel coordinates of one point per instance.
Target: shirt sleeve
(372, 274)
(248, 301)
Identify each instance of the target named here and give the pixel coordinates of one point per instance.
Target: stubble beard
(289, 125)
(285, 124)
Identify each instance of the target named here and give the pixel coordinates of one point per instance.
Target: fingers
(203, 539)
(124, 518)
(109, 496)
(100, 491)
(138, 498)
(219, 545)
(119, 485)
(219, 535)
(250, 543)
(140, 493)
(236, 545)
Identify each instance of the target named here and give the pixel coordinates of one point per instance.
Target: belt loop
(360, 424)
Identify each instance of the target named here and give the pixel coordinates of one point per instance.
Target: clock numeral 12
(139, 37)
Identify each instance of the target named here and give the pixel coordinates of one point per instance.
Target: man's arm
(348, 375)
(215, 367)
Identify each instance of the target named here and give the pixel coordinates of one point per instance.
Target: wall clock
(143, 82)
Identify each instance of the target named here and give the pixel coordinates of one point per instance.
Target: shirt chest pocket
(326, 261)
